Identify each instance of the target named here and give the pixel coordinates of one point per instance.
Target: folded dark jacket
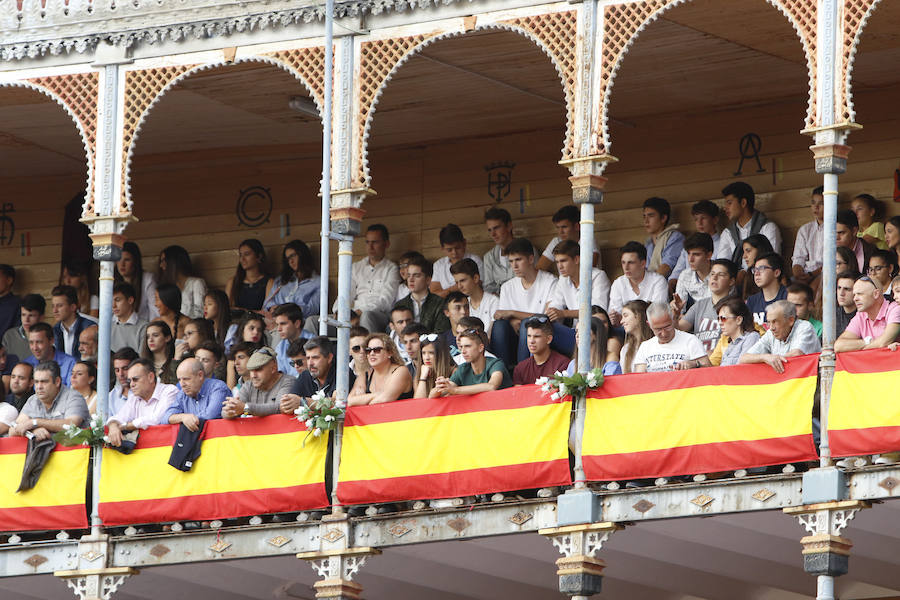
(36, 457)
(186, 449)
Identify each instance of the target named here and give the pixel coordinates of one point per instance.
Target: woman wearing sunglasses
(436, 362)
(388, 378)
(738, 330)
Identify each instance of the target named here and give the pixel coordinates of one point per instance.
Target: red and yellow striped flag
(863, 417)
(700, 421)
(246, 467)
(58, 499)
(458, 446)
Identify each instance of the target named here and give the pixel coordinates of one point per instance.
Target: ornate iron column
(580, 572)
(336, 562)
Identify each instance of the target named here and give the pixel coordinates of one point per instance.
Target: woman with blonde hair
(388, 378)
(637, 331)
(436, 362)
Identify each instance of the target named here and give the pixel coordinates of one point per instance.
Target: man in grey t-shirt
(52, 407)
(702, 319)
(267, 385)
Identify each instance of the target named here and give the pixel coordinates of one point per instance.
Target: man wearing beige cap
(268, 385)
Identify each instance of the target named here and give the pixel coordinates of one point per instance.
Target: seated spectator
(496, 269)
(84, 381)
(599, 354)
(637, 283)
(702, 319)
(401, 318)
(767, 272)
(745, 220)
(217, 310)
(298, 358)
(237, 372)
(118, 395)
(412, 344)
(739, 332)
(706, 220)
(387, 380)
(846, 307)
(482, 304)
(7, 362)
(320, 374)
(427, 308)
(801, 296)
(358, 363)
(637, 331)
(168, 306)
(403, 270)
(69, 324)
(10, 305)
(198, 398)
(40, 340)
(212, 357)
(268, 385)
(175, 268)
(877, 320)
(787, 336)
(21, 386)
(130, 270)
(869, 213)
(892, 234)
(464, 324)
(454, 246)
(846, 233)
(196, 332)
(613, 342)
(567, 221)
(289, 323)
(298, 283)
(882, 269)
(479, 373)
(88, 343)
(754, 246)
(128, 329)
(665, 243)
(252, 328)
(8, 415)
(564, 301)
(895, 288)
(670, 349)
(74, 274)
(251, 284)
(159, 348)
(525, 295)
(436, 362)
(808, 249)
(147, 404)
(456, 307)
(52, 407)
(693, 283)
(542, 361)
(15, 340)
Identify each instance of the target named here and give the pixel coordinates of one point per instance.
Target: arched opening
(43, 166)
(457, 108)
(696, 81)
(228, 153)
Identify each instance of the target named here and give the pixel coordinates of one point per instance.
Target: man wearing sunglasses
(767, 272)
(268, 385)
(146, 404)
(877, 320)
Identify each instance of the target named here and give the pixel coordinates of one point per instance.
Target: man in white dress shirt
(808, 249)
(373, 287)
(496, 269)
(146, 404)
(637, 283)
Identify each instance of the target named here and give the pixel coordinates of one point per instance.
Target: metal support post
(325, 257)
(335, 561)
(580, 573)
(94, 579)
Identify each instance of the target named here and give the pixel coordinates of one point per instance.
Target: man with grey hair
(670, 348)
(267, 385)
(87, 343)
(200, 397)
(52, 407)
(787, 336)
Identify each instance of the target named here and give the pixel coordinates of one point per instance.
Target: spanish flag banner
(700, 421)
(863, 417)
(247, 467)
(58, 499)
(451, 447)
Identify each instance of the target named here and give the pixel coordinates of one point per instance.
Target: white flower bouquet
(321, 414)
(78, 436)
(562, 385)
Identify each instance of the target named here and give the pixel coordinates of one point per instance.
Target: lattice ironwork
(310, 64)
(142, 89)
(802, 15)
(557, 32)
(855, 15)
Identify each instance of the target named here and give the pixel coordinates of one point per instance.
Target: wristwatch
(246, 412)
(34, 423)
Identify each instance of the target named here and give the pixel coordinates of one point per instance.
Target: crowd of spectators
(721, 295)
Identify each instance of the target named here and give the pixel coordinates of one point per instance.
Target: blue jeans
(512, 347)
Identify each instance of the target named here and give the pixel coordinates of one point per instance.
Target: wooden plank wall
(190, 198)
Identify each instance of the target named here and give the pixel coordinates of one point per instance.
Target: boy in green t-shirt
(478, 374)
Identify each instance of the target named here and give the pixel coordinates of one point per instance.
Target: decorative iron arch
(129, 144)
(638, 16)
(86, 139)
(420, 42)
(856, 15)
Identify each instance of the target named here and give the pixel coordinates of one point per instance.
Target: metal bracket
(337, 237)
(580, 540)
(339, 564)
(829, 518)
(96, 584)
(337, 323)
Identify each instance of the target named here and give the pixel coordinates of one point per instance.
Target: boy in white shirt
(454, 246)
(807, 259)
(525, 295)
(564, 302)
(481, 304)
(637, 283)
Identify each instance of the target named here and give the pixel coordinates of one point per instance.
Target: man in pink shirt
(877, 321)
(146, 404)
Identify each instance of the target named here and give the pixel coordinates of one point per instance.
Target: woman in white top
(84, 381)
(175, 267)
(130, 269)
